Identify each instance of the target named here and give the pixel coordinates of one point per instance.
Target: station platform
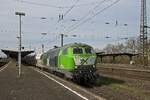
(30, 86)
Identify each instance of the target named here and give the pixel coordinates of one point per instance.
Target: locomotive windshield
(89, 50)
(77, 51)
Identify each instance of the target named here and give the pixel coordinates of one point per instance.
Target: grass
(120, 86)
(102, 80)
(131, 90)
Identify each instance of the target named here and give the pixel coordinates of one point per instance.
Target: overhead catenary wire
(61, 16)
(54, 6)
(29, 2)
(88, 19)
(40, 4)
(91, 10)
(70, 8)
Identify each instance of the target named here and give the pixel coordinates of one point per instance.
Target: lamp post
(20, 14)
(43, 18)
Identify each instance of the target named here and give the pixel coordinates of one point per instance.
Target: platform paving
(30, 86)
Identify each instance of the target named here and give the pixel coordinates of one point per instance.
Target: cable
(54, 6)
(71, 8)
(39, 4)
(86, 4)
(63, 15)
(99, 3)
(94, 15)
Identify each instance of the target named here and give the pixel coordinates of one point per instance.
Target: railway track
(3, 62)
(125, 72)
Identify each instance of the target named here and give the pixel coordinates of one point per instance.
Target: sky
(84, 18)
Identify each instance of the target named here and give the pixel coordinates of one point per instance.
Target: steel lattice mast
(143, 33)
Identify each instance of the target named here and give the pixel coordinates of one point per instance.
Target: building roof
(14, 54)
(115, 54)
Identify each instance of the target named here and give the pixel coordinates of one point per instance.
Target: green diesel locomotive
(75, 61)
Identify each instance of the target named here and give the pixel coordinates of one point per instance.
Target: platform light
(20, 44)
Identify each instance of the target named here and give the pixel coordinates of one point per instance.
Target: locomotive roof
(69, 45)
(76, 44)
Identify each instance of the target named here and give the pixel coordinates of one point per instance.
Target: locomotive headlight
(94, 66)
(75, 66)
(91, 60)
(77, 60)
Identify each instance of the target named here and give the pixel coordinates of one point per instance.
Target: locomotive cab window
(77, 51)
(89, 51)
